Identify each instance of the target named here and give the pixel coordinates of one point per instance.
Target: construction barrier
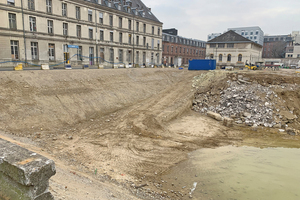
(19, 67)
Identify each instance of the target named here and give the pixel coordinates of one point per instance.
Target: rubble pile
(246, 103)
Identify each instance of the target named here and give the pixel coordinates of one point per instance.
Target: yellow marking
(26, 161)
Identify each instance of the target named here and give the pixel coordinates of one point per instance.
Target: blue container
(202, 64)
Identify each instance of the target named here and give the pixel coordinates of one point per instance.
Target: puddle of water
(238, 173)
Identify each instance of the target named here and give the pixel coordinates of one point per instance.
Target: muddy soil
(118, 129)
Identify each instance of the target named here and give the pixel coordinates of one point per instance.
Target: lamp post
(24, 37)
(133, 40)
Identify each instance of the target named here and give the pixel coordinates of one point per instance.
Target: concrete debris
(242, 102)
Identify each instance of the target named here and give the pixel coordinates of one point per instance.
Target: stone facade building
(177, 50)
(86, 31)
(232, 49)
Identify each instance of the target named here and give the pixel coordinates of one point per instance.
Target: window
(11, 2)
(78, 31)
(251, 38)
(230, 45)
(129, 24)
(137, 57)
(79, 53)
(34, 51)
(111, 55)
(32, 24)
(158, 31)
(91, 55)
(212, 45)
(144, 41)
(152, 30)
(78, 12)
(49, 6)
(251, 33)
(129, 39)
(167, 48)
(256, 33)
(120, 22)
(101, 35)
(179, 49)
(220, 57)
(101, 55)
(14, 45)
(110, 20)
(111, 35)
(90, 15)
(144, 58)
(137, 40)
(50, 26)
(64, 9)
(65, 29)
(171, 48)
(31, 5)
(120, 37)
(51, 48)
(90, 33)
(144, 28)
(100, 17)
(229, 58)
(120, 55)
(137, 26)
(240, 57)
(12, 21)
(221, 45)
(255, 37)
(246, 33)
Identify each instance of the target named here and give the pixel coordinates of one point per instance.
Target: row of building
(123, 32)
(90, 32)
(84, 31)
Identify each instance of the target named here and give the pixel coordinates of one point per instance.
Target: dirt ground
(113, 133)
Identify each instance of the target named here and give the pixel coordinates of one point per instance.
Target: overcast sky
(198, 18)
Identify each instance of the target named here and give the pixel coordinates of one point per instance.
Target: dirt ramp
(34, 100)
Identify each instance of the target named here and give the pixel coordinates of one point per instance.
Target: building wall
(293, 52)
(250, 52)
(178, 50)
(43, 38)
(252, 33)
(213, 35)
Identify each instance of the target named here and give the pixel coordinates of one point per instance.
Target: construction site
(138, 133)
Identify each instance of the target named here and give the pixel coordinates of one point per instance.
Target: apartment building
(253, 33)
(85, 31)
(275, 46)
(179, 50)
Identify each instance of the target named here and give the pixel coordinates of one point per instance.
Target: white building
(254, 33)
(232, 49)
(87, 32)
(213, 35)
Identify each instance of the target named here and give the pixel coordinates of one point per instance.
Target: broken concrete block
(215, 116)
(227, 122)
(24, 174)
(290, 131)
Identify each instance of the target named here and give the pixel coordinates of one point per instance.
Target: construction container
(202, 64)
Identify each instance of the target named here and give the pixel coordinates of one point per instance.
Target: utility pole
(24, 36)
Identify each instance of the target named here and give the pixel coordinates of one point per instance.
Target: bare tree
(278, 49)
